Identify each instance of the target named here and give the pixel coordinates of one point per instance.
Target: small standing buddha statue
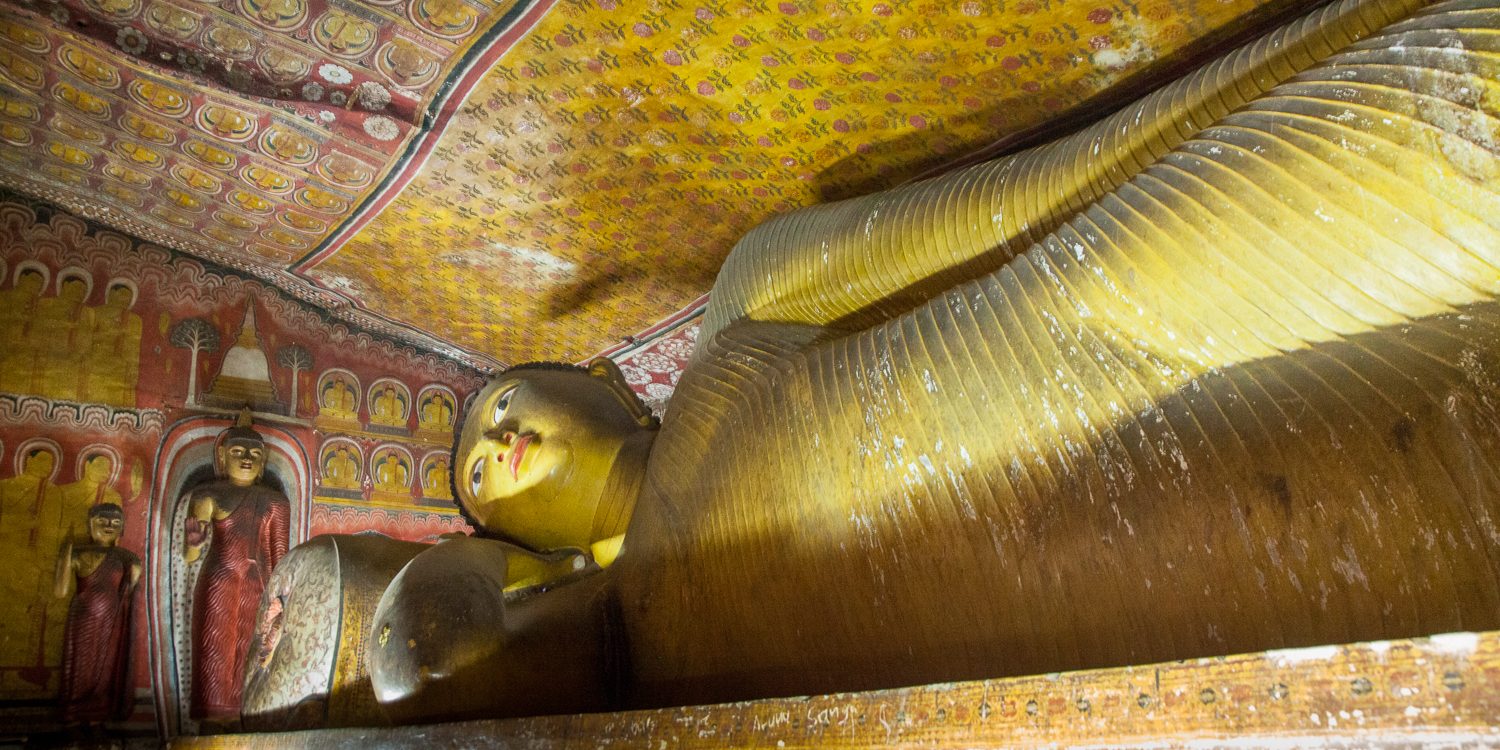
(96, 641)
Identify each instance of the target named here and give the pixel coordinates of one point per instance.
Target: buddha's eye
(476, 478)
(501, 404)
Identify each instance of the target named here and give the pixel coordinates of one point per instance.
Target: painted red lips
(516, 452)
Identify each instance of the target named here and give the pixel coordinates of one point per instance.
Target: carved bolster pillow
(306, 663)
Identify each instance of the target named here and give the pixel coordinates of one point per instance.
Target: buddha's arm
(62, 578)
(195, 535)
(857, 262)
(135, 574)
(278, 530)
(525, 570)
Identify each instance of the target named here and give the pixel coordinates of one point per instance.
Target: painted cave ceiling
(507, 180)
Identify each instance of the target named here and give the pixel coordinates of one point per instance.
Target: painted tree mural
(295, 358)
(196, 335)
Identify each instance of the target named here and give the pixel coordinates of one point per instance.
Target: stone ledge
(1438, 691)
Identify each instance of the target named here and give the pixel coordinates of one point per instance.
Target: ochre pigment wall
(107, 345)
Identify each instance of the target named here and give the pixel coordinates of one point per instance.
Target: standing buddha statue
(96, 642)
(244, 524)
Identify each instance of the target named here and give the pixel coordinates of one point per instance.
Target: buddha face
(97, 469)
(39, 464)
(117, 298)
(73, 289)
(242, 461)
(31, 282)
(535, 452)
(106, 525)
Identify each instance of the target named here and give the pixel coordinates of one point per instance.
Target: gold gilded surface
(1206, 404)
(60, 347)
(541, 456)
(1242, 398)
(1441, 691)
(34, 504)
(598, 175)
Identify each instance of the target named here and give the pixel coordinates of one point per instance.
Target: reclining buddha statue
(1220, 373)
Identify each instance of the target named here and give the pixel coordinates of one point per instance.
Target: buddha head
(97, 468)
(73, 289)
(119, 297)
(106, 524)
(537, 448)
(39, 463)
(31, 281)
(241, 453)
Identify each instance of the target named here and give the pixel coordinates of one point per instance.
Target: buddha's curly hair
(541, 364)
(106, 509)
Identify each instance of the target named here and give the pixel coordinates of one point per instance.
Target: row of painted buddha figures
(388, 406)
(1216, 374)
(58, 346)
(36, 514)
(389, 472)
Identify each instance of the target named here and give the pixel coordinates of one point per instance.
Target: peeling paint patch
(1300, 655)
(1454, 643)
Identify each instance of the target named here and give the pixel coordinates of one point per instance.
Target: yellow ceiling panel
(596, 177)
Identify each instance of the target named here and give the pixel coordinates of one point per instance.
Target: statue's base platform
(1442, 691)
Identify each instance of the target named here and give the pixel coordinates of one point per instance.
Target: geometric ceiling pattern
(243, 131)
(512, 180)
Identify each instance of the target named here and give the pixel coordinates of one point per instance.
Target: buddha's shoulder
(125, 556)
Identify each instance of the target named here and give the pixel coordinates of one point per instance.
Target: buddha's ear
(609, 373)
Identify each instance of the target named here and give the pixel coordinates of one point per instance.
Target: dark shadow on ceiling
(852, 175)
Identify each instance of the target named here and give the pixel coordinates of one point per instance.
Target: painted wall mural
(57, 460)
(653, 364)
(241, 131)
(111, 347)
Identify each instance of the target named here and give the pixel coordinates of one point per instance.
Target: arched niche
(437, 408)
(184, 461)
(392, 470)
(388, 404)
(340, 481)
(435, 477)
(338, 396)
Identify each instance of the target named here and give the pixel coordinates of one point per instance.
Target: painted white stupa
(245, 376)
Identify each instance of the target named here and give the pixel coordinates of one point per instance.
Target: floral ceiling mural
(506, 180)
(243, 131)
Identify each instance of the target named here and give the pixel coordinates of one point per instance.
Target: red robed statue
(249, 537)
(96, 642)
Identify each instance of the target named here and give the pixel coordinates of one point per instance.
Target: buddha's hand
(528, 573)
(449, 643)
(441, 615)
(195, 535)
